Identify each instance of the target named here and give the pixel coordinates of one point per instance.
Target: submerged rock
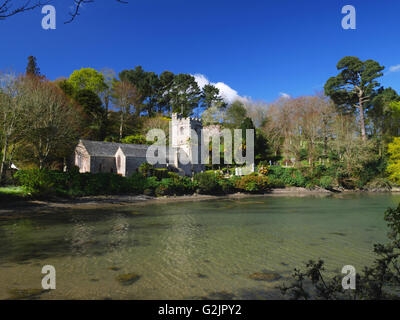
(128, 279)
(265, 276)
(28, 294)
(221, 295)
(339, 234)
(114, 268)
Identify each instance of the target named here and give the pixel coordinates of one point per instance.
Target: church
(125, 159)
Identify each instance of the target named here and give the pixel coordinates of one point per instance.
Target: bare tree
(51, 124)
(10, 116)
(10, 8)
(125, 95)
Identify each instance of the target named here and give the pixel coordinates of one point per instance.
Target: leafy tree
(96, 114)
(235, 114)
(106, 94)
(381, 113)
(354, 86)
(211, 97)
(87, 78)
(394, 161)
(66, 87)
(146, 84)
(185, 94)
(164, 91)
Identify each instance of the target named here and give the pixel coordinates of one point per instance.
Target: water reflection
(181, 250)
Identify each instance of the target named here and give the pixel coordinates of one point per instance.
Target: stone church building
(125, 159)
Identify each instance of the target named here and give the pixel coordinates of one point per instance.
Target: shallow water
(189, 250)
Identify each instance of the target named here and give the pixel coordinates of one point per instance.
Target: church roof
(108, 149)
(134, 150)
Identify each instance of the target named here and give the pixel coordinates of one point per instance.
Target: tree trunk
(3, 160)
(121, 126)
(362, 119)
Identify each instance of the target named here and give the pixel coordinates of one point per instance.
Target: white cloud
(284, 95)
(394, 68)
(226, 92)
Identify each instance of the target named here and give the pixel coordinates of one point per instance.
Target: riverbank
(22, 207)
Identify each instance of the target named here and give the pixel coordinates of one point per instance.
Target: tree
(235, 114)
(125, 96)
(164, 91)
(9, 8)
(87, 78)
(147, 86)
(211, 97)
(394, 161)
(96, 114)
(106, 94)
(354, 86)
(11, 114)
(50, 124)
(32, 68)
(185, 94)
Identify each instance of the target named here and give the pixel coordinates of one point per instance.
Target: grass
(11, 193)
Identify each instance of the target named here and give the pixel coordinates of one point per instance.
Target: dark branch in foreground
(10, 8)
(7, 9)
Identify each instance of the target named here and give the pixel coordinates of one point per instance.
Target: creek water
(188, 250)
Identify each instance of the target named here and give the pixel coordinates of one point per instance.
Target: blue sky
(258, 48)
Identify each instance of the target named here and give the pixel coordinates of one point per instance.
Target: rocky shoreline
(22, 208)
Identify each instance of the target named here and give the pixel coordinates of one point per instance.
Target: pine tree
(32, 67)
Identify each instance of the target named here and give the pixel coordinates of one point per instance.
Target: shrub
(136, 183)
(326, 182)
(36, 181)
(179, 186)
(379, 183)
(207, 183)
(146, 169)
(151, 183)
(161, 173)
(253, 184)
(227, 186)
(276, 183)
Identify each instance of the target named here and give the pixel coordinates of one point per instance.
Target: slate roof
(108, 149)
(134, 150)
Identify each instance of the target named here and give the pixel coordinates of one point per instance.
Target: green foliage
(253, 184)
(227, 186)
(289, 176)
(394, 161)
(53, 183)
(161, 173)
(89, 79)
(207, 183)
(135, 139)
(326, 182)
(146, 169)
(171, 186)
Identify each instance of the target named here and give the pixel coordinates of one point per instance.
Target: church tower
(185, 146)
